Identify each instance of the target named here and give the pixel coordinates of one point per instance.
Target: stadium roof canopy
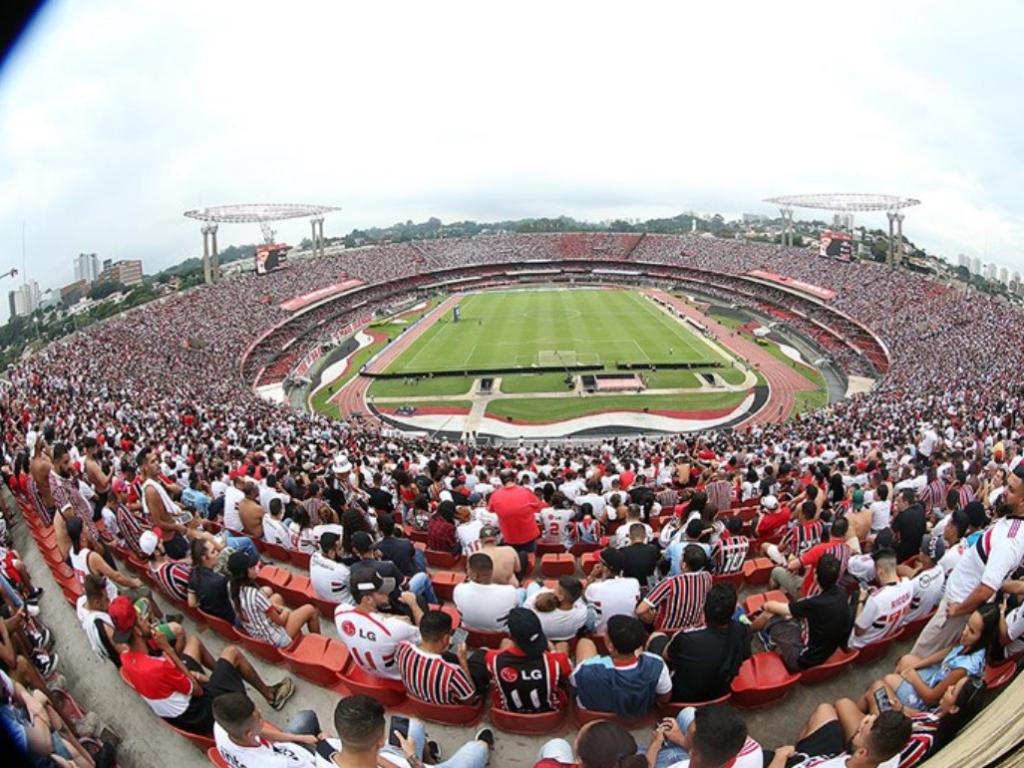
(248, 213)
(845, 201)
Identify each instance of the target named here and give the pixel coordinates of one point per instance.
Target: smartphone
(400, 724)
(459, 637)
(882, 700)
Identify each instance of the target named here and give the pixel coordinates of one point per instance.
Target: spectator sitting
(561, 610)
(639, 560)
(707, 737)
(526, 674)
(178, 689)
(799, 538)
(704, 662)
(482, 603)
(826, 616)
(927, 576)
(797, 579)
(327, 573)
(678, 601)
(599, 744)
(372, 636)
(274, 529)
(250, 512)
(825, 743)
(400, 551)
(882, 612)
(634, 516)
(506, 561)
(608, 592)
(261, 612)
(245, 740)
(692, 533)
(171, 575)
(729, 553)
(770, 517)
(208, 589)
(366, 553)
(431, 672)
(630, 681)
(441, 530)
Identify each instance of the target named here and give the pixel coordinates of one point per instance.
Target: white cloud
(115, 118)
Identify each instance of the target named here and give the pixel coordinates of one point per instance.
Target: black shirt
(212, 592)
(828, 624)
(638, 561)
(704, 662)
(400, 552)
(381, 500)
(909, 526)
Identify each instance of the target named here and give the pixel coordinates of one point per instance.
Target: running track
(782, 380)
(352, 397)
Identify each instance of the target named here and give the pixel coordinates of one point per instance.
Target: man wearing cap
(178, 688)
(328, 574)
(528, 677)
(980, 572)
(770, 518)
(505, 559)
(171, 575)
(608, 592)
(517, 508)
(371, 635)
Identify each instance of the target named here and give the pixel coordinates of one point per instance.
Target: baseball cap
(362, 541)
(328, 539)
(933, 546)
(365, 581)
(490, 532)
(526, 632)
(610, 557)
(123, 616)
(148, 542)
(241, 561)
(769, 502)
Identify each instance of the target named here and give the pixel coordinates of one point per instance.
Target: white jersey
(559, 624)
(329, 579)
(622, 534)
(267, 754)
(468, 534)
(80, 565)
(952, 557)
(996, 554)
(884, 613)
(276, 532)
(928, 589)
(88, 619)
(557, 525)
(613, 597)
(750, 756)
(484, 606)
(232, 498)
(1015, 631)
(371, 639)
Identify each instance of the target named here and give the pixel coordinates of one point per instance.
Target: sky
(117, 117)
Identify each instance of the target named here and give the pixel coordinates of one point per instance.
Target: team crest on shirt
(509, 675)
(348, 628)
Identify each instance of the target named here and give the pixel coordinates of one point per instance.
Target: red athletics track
(352, 398)
(782, 380)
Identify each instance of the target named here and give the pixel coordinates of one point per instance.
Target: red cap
(122, 616)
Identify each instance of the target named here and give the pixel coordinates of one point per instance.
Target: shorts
(176, 547)
(198, 718)
(828, 740)
(906, 693)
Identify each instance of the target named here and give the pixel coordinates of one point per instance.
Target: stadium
(417, 411)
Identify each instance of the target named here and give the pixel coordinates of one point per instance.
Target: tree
(103, 290)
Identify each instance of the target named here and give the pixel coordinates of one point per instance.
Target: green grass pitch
(553, 327)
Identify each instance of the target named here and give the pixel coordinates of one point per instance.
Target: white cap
(769, 502)
(148, 542)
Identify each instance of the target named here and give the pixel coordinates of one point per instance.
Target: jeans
(473, 754)
(673, 753)
(11, 592)
(420, 586)
(420, 561)
(528, 591)
(243, 543)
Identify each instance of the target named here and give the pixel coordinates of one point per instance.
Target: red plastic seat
(762, 679)
(829, 668)
(299, 559)
(757, 571)
(318, 659)
(215, 759)
(221, 627)
(911, 630)
(298, 591)
(440, 559)
(736, 579)
(587, 562)
(273, 577)
(554, 566)
(452, 611)
(390, 693)
(875, 651)
(673, 708)
(447, 714)
(580, 548)
(263, 649)
(754, 602)
(550, 548)
(482, 638)
(528, 725)
(998, 675)
(276, 551)
(445, 582)
(418, 536)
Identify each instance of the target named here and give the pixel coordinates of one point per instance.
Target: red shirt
(516, 508)
(772, 522)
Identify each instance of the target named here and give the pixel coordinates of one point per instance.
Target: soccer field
(553, 328)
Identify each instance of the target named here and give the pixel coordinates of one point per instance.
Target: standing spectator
(704, 662)
(678, 601)
(527, 677)
(517, 508)
(908, 524)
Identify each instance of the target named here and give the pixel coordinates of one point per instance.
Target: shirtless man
(39, 468)
(505, 558)
(98, 479)
(251, 513)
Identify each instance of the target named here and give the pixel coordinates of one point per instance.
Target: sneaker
(46, 663)
(485, 735)
(32, 610)
(43, 638)
(34, 595)
(433, 751)
(281, 692)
